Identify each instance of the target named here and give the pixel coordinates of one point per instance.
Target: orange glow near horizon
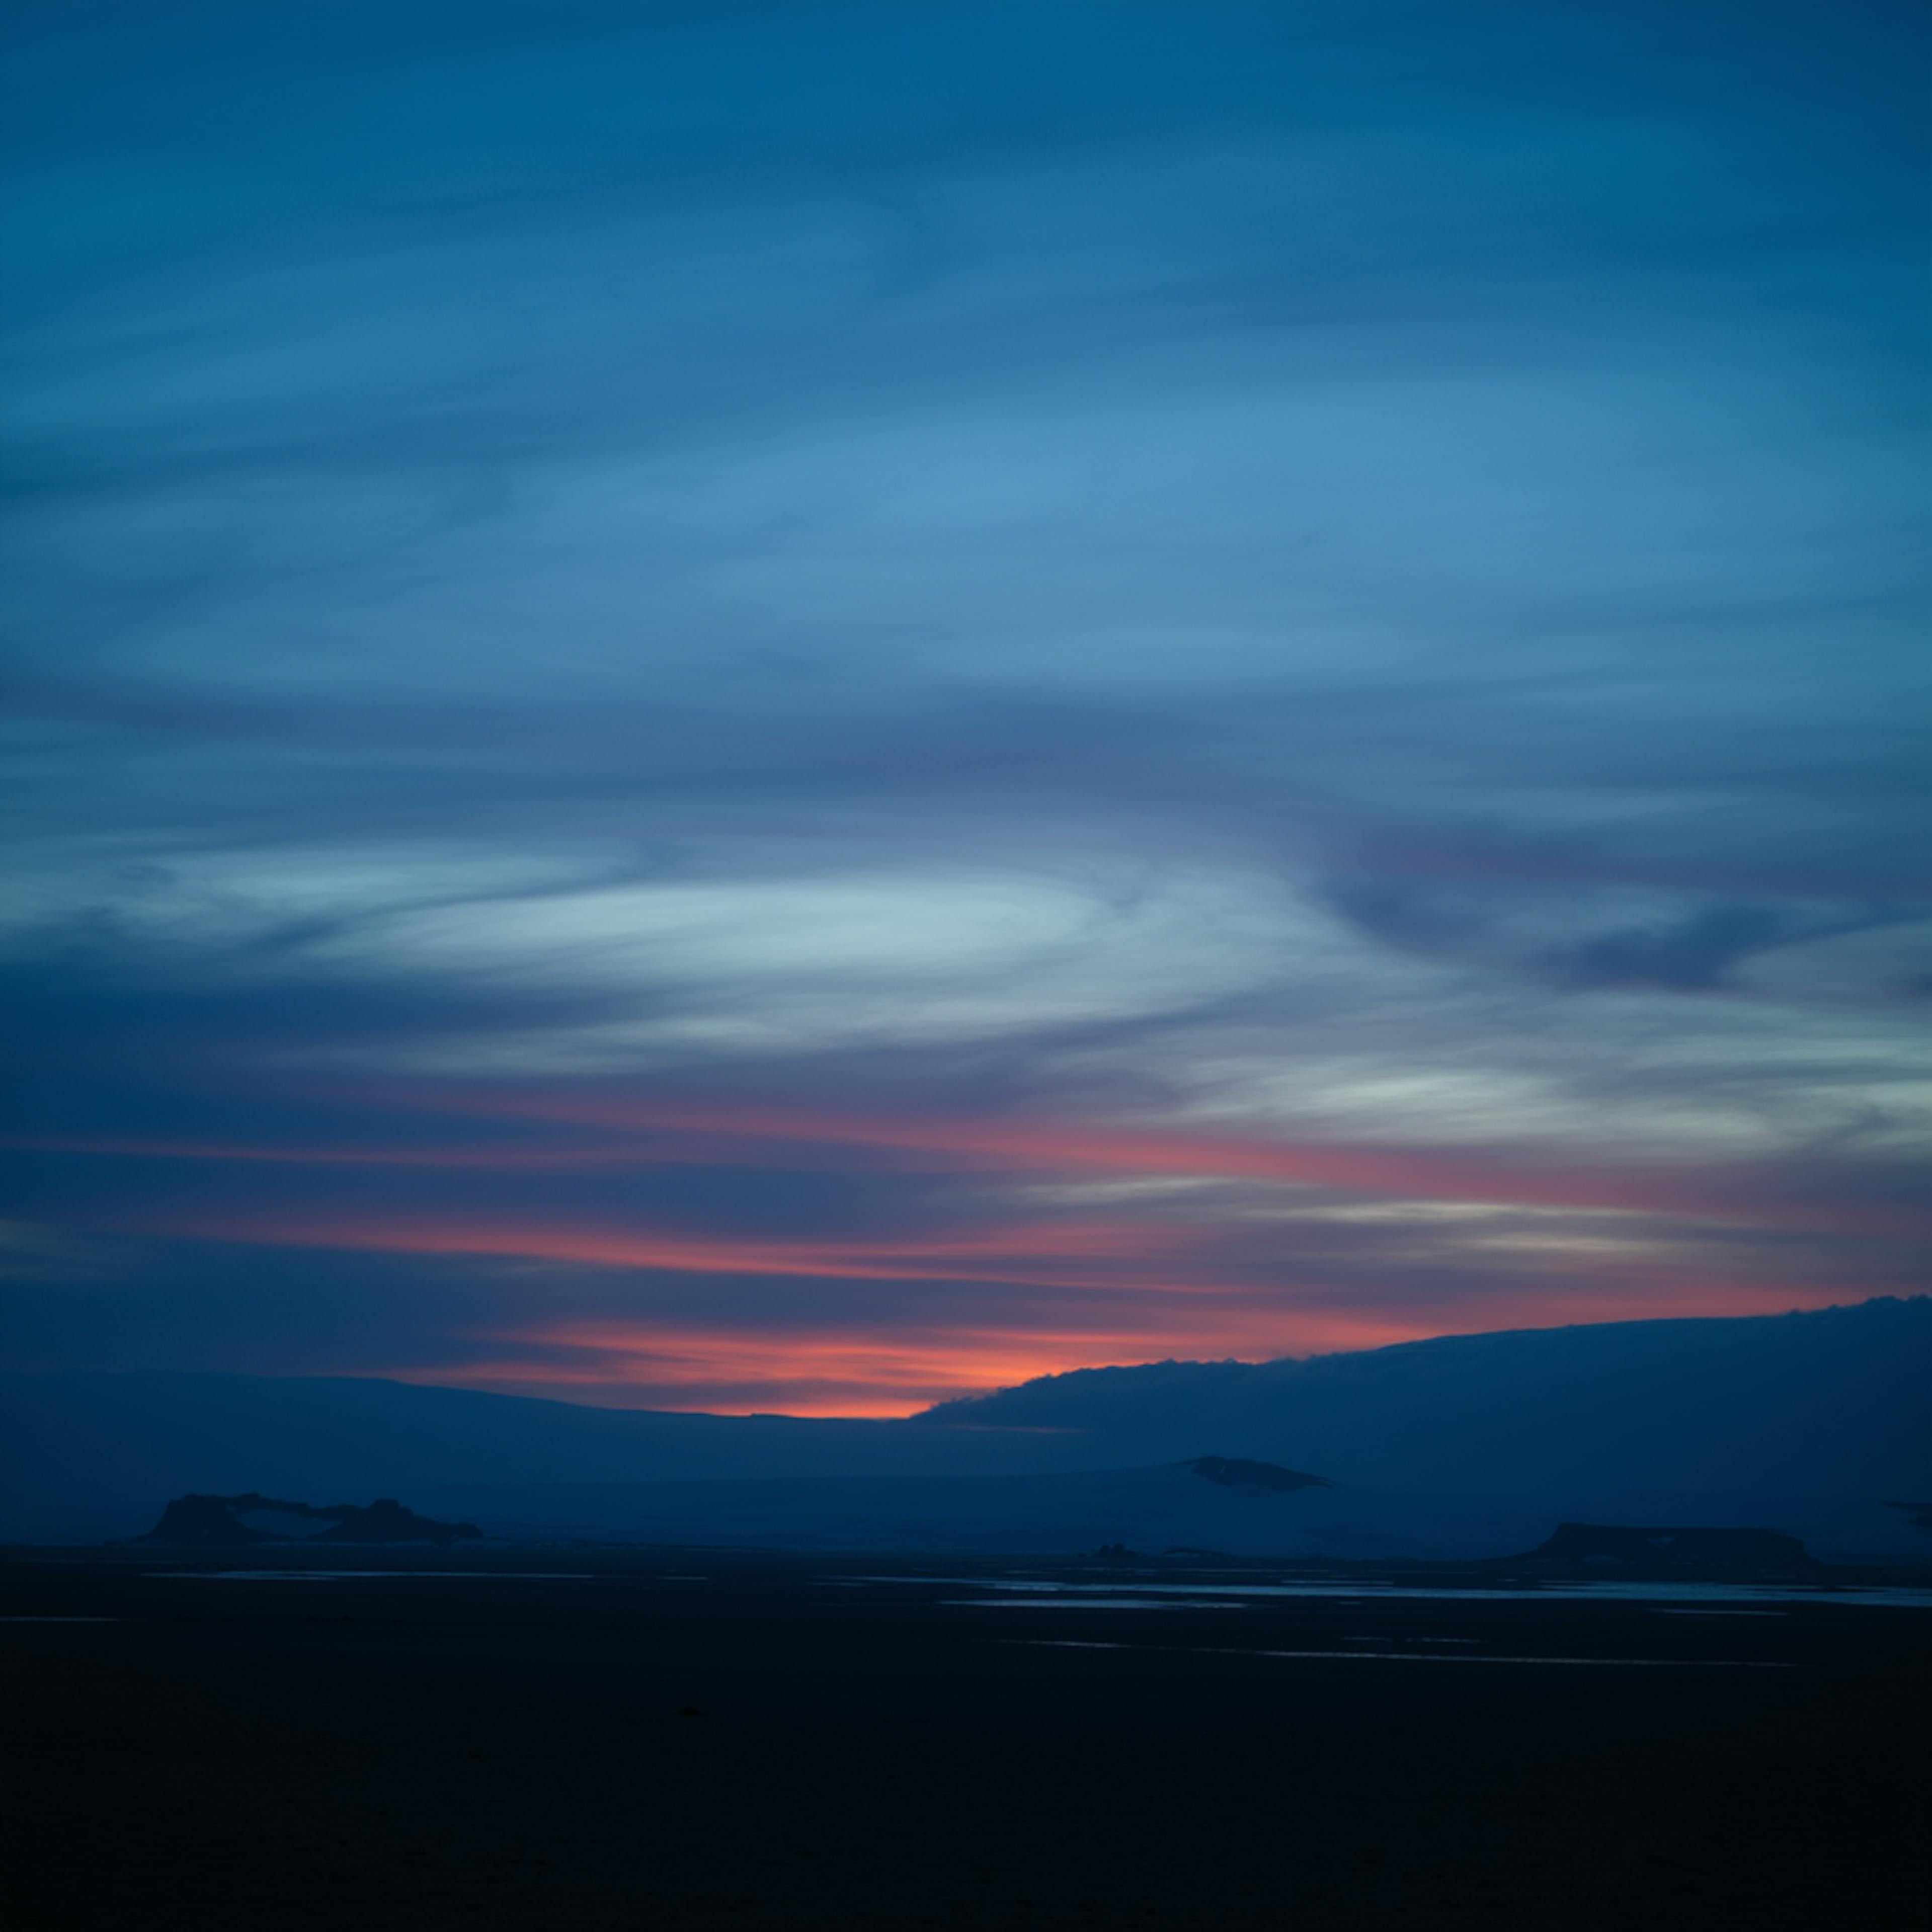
(888, 1371)
(857, 1374)
(1162, 1275)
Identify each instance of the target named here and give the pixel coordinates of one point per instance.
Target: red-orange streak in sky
(219, 1151)
(840, 1372)
(1398, 1172)
(964, 1356)
(873, 1261)
(1401, 1173)
(923, 1360)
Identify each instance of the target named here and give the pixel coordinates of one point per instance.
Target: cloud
(1319, 603)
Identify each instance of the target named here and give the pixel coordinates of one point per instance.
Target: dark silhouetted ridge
(225, 1521)
(1829, 1401)
(1237, 1472)
(1804, 1421)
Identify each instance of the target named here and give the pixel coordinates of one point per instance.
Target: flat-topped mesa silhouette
(1242, 1472)
(1598, 1547)
(227, 1521)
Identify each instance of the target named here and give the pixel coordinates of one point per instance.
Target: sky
(805, 707)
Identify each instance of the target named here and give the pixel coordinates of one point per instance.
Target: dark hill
(1827, 1402)
(1601, 1546)
(1624, 1421)
(1237, 1472)
(219, 1521)
(209, 1521)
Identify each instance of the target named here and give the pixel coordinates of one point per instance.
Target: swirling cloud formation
(804, 708)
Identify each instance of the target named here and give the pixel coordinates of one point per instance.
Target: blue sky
(802, 706)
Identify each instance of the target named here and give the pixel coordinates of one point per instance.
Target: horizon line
(456, 1388)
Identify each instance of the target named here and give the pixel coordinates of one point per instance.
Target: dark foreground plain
(737, 1740)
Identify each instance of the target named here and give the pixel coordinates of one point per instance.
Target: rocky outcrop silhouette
(215, 1522)
(1238, 1472)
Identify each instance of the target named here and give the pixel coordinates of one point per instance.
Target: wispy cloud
(765, 635)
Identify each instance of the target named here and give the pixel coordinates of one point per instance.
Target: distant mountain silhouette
(222, 1521)
(1829, 1402)
(1807, 1421)
(1240, 1472)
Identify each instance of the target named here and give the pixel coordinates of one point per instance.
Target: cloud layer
(804, 708)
